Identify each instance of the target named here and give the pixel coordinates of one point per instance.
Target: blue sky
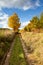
(25, 9)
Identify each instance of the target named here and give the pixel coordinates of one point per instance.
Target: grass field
(34, 44)
(17, 55)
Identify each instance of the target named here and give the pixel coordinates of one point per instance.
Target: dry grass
(34, 43)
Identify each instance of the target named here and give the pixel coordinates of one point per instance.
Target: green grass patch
(17, 55)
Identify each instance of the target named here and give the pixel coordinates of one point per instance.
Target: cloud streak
(21, 4)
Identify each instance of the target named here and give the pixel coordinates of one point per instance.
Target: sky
(25, 9)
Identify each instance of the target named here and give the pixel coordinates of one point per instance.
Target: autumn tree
(13, 22)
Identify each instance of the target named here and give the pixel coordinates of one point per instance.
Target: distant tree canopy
(35, 24)
(13, 22)
(41, 20)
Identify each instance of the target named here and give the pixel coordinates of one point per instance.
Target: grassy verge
(6, 37)
(34, 44)
(17, 56)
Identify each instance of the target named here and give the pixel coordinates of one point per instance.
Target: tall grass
(34, 44)
(6, 37)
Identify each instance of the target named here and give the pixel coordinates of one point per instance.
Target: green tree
(41, 20)
(35, 21)
(36, 24)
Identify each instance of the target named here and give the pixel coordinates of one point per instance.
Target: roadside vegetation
(6, 38)
(34, 44)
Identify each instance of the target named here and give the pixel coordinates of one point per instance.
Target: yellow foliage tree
(13, 22)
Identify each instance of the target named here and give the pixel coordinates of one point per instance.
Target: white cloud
(3, 19)
(23, 24)
(26, 7)
(21, 4)
(37, 3)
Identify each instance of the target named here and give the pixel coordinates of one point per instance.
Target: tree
(35, 21)
(33, 25)
(13, 22)
(41, 20)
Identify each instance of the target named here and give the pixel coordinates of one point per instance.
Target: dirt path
(8, 55)
(25, 49)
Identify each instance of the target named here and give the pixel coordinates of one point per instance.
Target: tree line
(36, 24)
